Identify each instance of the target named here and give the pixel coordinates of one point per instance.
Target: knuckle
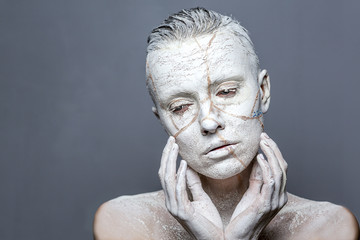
(182, 215)
(275, 206)
(194, 185)
(164, 151)
(271, 182)
(286, 165)
(266, 208)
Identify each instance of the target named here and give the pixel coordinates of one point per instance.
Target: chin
(223, 169)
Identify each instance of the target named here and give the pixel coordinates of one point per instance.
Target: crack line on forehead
(208, 68)
(208, 81)
(152, 80)
(198, 44)
(210, 98)
(208, 73)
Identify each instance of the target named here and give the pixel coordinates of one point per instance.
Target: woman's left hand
(265, 196)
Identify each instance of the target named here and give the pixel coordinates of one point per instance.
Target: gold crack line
(234, 155)
(185, 127)
(237, 116)
(204, 100)
(256, 98)
(152, 80)
(173, 122)
(198, 44)
(221, 137)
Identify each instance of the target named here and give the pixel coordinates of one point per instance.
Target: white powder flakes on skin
(211, 61)
(147, 215)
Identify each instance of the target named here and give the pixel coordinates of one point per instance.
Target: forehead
(194, 62)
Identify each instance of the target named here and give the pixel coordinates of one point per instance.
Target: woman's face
(209, 98)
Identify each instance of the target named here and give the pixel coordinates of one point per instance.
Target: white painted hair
(194, 22)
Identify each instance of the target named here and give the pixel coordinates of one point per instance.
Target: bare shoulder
(305, 219)
(141, 216)
(126, 217)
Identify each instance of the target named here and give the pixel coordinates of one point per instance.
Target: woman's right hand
(199, 217)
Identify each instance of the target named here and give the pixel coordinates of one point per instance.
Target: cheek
(249, 133)
(190, 146)
(176, 124)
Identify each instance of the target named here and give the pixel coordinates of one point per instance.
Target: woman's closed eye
(180, 109)
(226, 93)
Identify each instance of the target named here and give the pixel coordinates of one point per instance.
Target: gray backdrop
(76, 127)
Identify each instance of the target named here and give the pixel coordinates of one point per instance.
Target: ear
(264, 84)
(154, 110)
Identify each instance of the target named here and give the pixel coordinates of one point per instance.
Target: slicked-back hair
(194, 22)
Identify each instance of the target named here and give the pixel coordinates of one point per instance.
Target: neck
(227, 193)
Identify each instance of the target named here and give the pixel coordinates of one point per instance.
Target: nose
(211, 122)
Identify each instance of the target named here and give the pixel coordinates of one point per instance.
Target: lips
(216, 147)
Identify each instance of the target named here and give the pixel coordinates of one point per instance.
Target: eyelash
(180, 109)
(229, 92)
(225, 93)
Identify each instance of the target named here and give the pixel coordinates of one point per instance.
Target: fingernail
(261, 156)
(266, 136)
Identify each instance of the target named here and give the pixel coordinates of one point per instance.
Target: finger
(253, 192)
(274, 165)
(170, 175)
(256, 180)
(170, 170)
(164, 158)
(283, 199)
(182, 198)
(283, 164)
(194, 184)
(268, 186)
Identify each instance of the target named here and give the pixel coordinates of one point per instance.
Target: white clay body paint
(207, 96)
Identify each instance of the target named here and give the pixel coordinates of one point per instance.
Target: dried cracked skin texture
(204, 63)
(250, 116)
(145, 216)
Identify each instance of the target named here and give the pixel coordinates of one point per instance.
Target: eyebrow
(237, 78)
